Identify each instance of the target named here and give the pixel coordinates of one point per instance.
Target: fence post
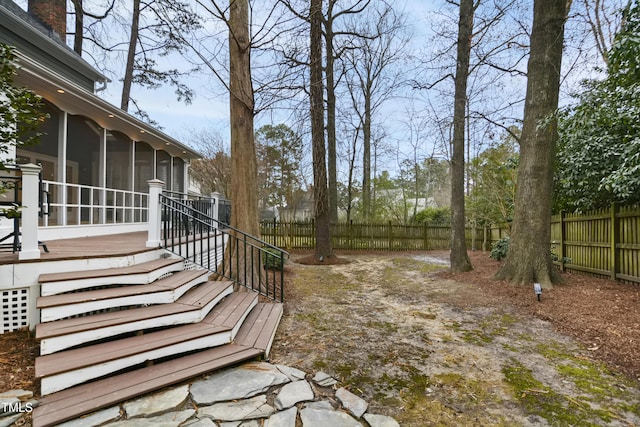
(29, 212)
(563, 238)
(275, 223)
(155, 214)
(615, 231)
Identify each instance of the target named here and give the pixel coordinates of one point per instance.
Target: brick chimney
(53, 13)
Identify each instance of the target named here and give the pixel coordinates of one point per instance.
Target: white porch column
(61, 172)
(29, 212)
(102, 180)
(155, 213)
(185, 177)
(216, 207)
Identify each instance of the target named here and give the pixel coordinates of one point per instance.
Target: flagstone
(323, 418)
(237, 383)
(351, 402)
(292, 393)
(246, 409)
(157, 403)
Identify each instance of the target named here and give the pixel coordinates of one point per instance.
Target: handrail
(224, 250)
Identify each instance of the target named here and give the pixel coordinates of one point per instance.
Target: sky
(210, 110)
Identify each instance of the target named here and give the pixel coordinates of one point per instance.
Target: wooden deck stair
(162, 291)
(97, 360)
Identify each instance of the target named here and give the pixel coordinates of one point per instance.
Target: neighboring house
(395, 197)
(96, 159)
(303, 210)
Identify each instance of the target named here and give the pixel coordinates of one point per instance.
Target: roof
(76, 100)
(30, 36)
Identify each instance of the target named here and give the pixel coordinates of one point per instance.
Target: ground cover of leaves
(433, 348)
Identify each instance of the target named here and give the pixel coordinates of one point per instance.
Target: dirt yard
(435, 349)
(438, 349)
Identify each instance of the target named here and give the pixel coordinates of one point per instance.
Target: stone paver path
(251, 395)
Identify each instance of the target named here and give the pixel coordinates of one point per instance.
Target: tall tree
(321, 199)
(244, 198)
(280, 155)
(529, 256)
(459, 258)
(332, 54)
(372, 79)
(80, 25)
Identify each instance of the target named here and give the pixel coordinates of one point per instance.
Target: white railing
(75, 204)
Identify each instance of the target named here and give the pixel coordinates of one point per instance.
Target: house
(123, 292)
(96, 159)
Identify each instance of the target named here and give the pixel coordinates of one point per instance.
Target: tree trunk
(78, 36)
(321, 199)
(529, 257)
(458, 257)
(244, 169)
(244, 200)
(366, 156)
(331, 119)
(131, 56)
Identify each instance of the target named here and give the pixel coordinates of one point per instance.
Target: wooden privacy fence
(605, 242)
(366, 236)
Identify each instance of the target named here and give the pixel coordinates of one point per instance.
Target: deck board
(141, 268)
(77, 401)
(228, 315)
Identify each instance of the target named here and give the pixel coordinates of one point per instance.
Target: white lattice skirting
(15, 309)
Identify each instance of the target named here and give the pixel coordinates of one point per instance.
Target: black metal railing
(205, 204)
(228, 252)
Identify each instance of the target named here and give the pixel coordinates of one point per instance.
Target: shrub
(499, 249)
(271, 259)
(433, 215)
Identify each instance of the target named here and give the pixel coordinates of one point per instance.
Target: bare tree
(323, 231)
(79, 22)
(529, 257)
(213, 171)
(372, 79)
(243, 152)
(459, 258)
(602, 19)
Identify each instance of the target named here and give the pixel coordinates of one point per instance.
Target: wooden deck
(194, 332)
(85, 247)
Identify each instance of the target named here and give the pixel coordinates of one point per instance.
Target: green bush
(433, 216)
(271, 258)
(499, 249)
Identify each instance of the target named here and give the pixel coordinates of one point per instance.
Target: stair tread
(192, 300)
(169, 283)
(214, 323)
(258, 328)
(77, 401)
(141, 268)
